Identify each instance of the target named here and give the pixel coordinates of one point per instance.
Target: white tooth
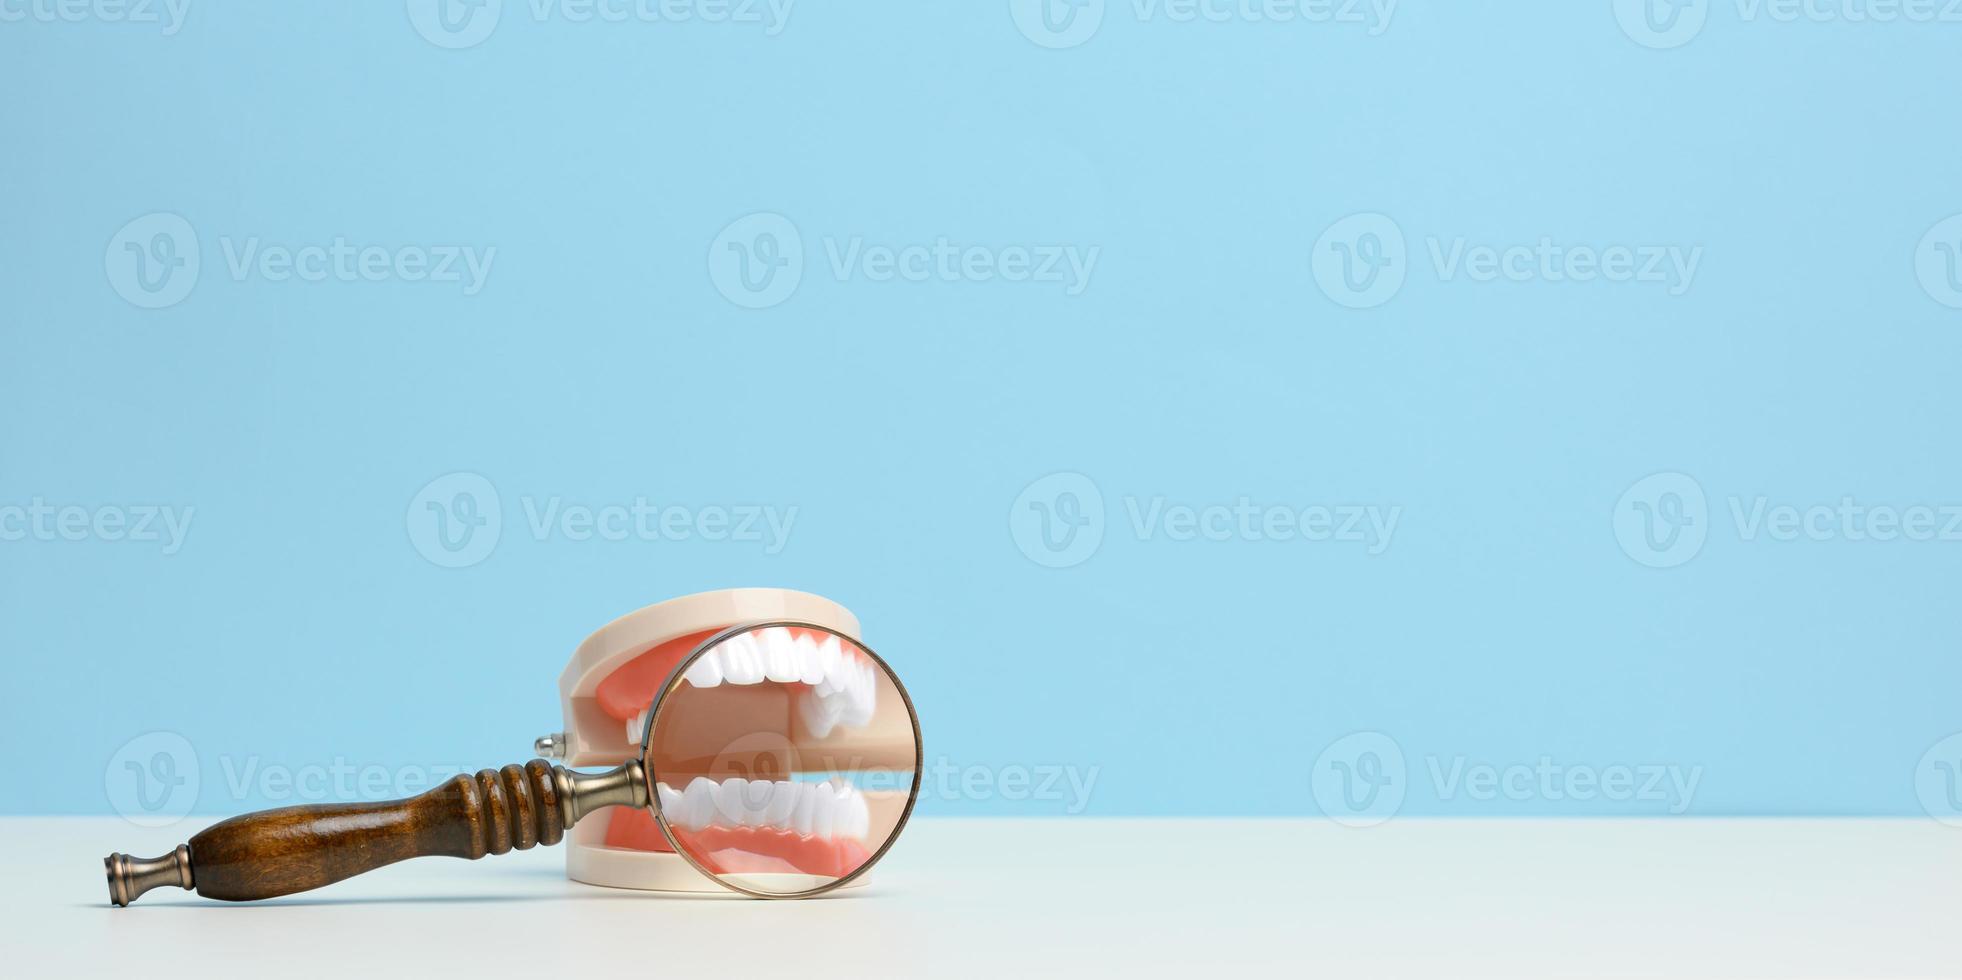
(783, 801)
(778, 653)
(808, 668)
(829, 653)
(670, 800)
(729, 801)
(740, 664)
(800, 816)
(810, 710)
(697, 803)
(860, 815)
(757, 799)
(863, 699)
(838, 676)
(632, 730)
(824, 812)
(706, 672)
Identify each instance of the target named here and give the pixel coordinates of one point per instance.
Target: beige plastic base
(596, 864)
(590, 861)
(595, 740)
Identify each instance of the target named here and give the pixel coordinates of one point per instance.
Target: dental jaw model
(776, 756)
(762, 707)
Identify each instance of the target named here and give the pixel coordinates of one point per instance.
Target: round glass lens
(785, 757)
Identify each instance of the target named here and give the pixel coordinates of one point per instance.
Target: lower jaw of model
(824, 692)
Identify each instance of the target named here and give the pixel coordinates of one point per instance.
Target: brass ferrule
(131, 876)
(581, 793)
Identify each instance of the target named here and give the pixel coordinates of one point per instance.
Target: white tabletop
(1178, 898)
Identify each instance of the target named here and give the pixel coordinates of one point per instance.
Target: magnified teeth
(809, 669)
(697, 807)
(856, 819)
(706, 672)
(800, 813)
(825, 810)
(783, 800)
(741, 662)
(780, 655)
(729, 808)
(843, 686)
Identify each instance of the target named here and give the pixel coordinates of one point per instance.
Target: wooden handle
(279, 852)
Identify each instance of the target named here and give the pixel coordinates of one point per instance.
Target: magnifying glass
(781, 759)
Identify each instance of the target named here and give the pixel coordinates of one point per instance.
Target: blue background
(1505, 623)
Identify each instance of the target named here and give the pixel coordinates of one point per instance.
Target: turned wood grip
(279, 852)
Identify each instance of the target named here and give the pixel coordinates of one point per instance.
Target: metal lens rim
(653, 778)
